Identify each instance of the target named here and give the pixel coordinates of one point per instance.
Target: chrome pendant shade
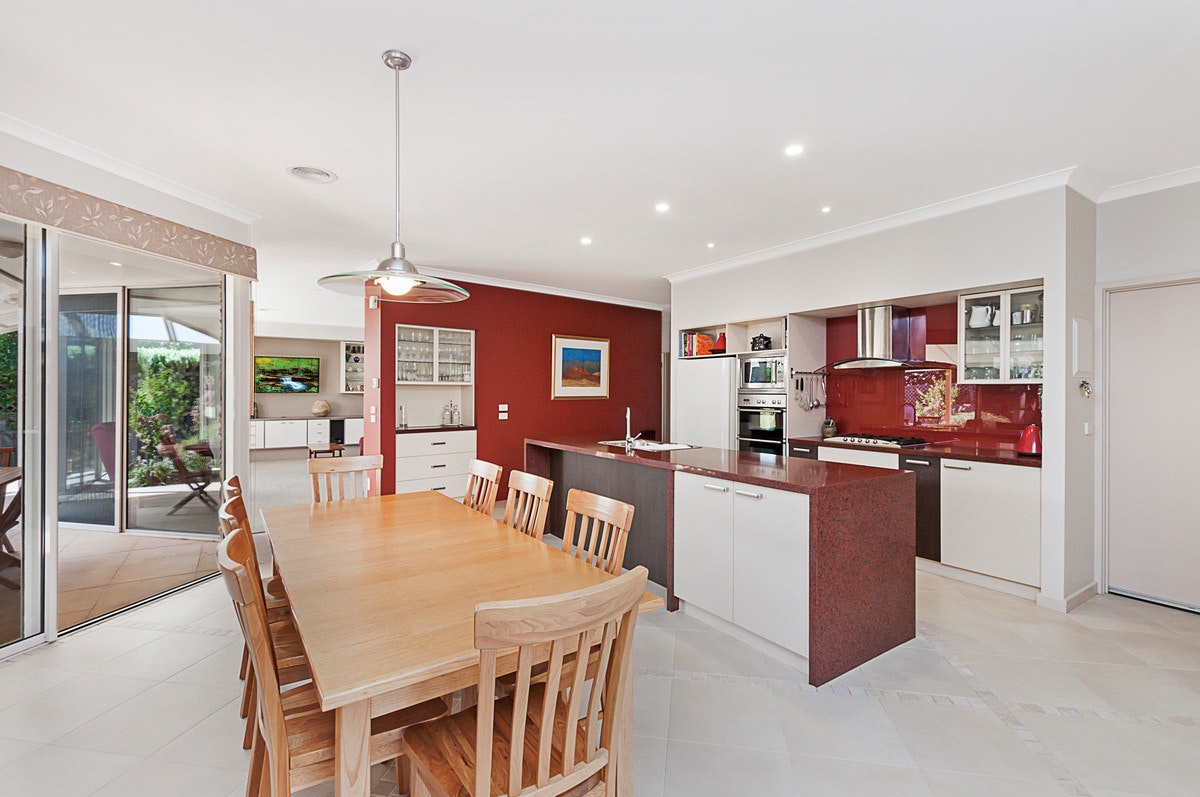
(396, 277)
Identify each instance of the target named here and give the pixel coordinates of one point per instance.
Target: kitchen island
(813, 557)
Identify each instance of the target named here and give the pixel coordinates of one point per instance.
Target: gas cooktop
(882, 441)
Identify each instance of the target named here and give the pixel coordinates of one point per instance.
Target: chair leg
(258, 765)
(251, 717)
(418, 788)
(247, 694)
(245, 668)
(403, 775)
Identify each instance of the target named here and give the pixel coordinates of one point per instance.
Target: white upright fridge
(703, 402)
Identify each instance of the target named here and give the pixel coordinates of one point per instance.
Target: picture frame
(578, 368)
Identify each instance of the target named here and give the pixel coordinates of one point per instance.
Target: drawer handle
(438, 443)
(437, 466)
(917, 462)
(748, 494)
(716, 487)
(437, 488)
(802, 450)
(956, 467)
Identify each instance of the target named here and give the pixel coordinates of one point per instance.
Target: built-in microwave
(762, 373)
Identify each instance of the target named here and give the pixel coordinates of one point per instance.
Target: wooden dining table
(383, 593)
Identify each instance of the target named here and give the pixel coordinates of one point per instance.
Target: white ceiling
(528, 124)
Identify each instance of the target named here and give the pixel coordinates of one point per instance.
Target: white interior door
(1152, 485)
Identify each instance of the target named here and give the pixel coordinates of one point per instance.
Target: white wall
(1038, 236)
(1152, 235)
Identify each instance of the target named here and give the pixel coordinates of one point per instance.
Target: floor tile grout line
(1071, 784)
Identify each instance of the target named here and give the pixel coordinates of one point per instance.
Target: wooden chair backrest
(596, 530)
(350, 472)
(237, 562)
(483, 481)
(231, 486)
(7, 454)
(597, 623)
(232, 517)
(528, 502)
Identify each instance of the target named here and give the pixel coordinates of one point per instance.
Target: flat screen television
(287, 374)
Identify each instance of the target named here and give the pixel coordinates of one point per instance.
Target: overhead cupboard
(1001, 338)
(434, 356)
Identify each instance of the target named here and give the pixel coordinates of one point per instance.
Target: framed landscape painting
(579, 368)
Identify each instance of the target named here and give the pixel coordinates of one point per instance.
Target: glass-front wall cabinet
(1001, 337)
(354, 366)
(434, 356)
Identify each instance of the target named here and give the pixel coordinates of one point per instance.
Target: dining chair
(231, 487)
(290, 661)
(293, 746)
(560, 752)
(197, 481)
(527, 503)
(596, 530)
(355, 472)
(483, 480)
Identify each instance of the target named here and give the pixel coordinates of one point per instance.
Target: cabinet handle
(917, 462)
(437, 488)
(802, 450)
(438, 443)
(437, 466)
(956, 467)
(748, 494)
(716, 487)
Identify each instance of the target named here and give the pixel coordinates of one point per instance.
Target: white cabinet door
(318, 432)
(853, 456)
(704, 543)
(770, 564)
(991, 519)
(285, 434)
(703, 395)
(353, 430)
(256, 434)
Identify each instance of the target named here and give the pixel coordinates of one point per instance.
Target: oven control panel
(763, 400)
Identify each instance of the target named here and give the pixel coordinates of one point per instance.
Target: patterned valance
(27, 197)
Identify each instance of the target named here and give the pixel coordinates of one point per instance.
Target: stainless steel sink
(648, 445)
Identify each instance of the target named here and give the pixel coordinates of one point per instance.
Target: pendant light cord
(396, 69)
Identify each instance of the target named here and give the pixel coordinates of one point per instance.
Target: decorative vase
(320, 408)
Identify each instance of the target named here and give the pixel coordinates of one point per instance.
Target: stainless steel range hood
(884, 342)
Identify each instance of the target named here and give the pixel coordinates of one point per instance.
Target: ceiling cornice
(1151, 184)
(1031, 185)
(71, 149)
(496, 282)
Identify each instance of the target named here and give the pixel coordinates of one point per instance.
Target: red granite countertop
(950, 449)
(765, 470)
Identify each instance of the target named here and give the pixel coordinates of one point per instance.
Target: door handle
(716, 487)
(956, 467)
(748, 494)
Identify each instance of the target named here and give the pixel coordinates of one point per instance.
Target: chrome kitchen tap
(629, 437)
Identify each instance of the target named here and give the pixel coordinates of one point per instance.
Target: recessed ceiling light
(711, 245)
(585, 241)
(826, 209)
(662, 207)
(793, 150)
(311, 174)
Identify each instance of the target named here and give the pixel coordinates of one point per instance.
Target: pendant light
(397, 278)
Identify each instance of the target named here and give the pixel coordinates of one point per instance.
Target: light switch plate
(504, 416)
(504, 408)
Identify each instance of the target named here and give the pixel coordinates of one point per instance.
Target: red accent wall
(513, 334)
(883, 400)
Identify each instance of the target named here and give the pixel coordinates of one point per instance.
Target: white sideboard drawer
(415, 444)
(454, 486)
(432, 466)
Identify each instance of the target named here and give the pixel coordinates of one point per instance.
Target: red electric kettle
(1030, 444)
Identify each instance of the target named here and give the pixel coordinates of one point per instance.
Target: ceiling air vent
(311, 174)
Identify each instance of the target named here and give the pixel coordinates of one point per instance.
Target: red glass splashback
(892, 401)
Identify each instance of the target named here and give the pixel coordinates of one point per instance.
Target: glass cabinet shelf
(434, 356)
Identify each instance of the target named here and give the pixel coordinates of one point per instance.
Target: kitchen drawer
(417, 444)
(802, 450)
(855, 456)
(432, 466)
(318, 432)
(454, 486)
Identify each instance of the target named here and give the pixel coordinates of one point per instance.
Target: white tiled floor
(995, 698)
